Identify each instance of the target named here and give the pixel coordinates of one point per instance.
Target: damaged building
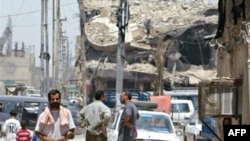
(17, 65)
(188, 56)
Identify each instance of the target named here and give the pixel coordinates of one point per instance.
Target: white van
(180, 110)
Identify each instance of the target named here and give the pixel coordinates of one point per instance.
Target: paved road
(77, 138)
(82, 138)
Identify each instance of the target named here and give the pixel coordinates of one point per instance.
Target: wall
(233, 51)
(233, 55)
(19, 69)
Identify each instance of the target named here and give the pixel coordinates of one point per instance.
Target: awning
(9, 82)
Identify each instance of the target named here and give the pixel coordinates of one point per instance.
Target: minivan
(28, 108)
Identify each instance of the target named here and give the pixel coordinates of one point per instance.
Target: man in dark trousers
(127, 125)
(95, 118)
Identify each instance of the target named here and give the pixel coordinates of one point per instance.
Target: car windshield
(180, 107)
(154, 122)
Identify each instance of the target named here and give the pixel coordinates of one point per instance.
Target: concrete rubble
(165, 16)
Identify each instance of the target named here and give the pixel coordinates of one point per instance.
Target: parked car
(75, 109)
(181, 109)
(192, 128)
(28, 108)
(150, 126)
(195, 130)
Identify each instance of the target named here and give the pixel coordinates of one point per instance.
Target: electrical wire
(32, 25)
(19, 10)
(35, 11)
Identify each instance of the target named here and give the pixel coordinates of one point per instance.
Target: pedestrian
(226, 121)
(11, 126)
(35, 138)
(55, 123)
(127, 125)
(95, 118)
(23, 134)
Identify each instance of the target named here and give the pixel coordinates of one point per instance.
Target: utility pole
(63, 64)
(42, 50)
(122, 23)
(53, 43)
(58, 43)
(83, 57)
(61, 67)
(46, 55)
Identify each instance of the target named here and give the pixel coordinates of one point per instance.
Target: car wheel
(185, 138)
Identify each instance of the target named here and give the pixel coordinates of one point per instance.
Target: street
(82, 138)
(77, 138)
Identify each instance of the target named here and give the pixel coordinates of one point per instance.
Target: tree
(163, 47)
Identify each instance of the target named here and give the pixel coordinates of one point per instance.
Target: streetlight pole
(122, 23)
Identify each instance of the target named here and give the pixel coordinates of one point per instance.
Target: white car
(181, 109)
(193, 128)
(151, 126)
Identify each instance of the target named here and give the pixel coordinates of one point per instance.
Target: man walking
(127, 125)
(56, 122)
(11, 126)
(95, 118)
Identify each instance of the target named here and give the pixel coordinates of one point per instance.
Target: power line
(35, 11)
(20, 9)
(25, 26)
(32, 25)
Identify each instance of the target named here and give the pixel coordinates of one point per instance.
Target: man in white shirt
(11, 126)
(55, 123)
(95, 118)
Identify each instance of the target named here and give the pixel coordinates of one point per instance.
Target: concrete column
(246, 113)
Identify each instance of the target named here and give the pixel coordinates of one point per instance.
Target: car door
(112, 130)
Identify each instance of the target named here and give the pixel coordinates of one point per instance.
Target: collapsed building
(188, 58)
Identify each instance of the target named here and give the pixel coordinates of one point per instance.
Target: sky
(26, 22)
